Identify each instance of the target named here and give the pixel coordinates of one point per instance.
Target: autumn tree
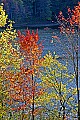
(59, 98)
(70, 28)
(9, 60)
(25, 86)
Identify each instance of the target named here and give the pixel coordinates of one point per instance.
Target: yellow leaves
(53, 63)
(3, 17)
(55, 80)
(71, 98)
(44, 98)
(8, 34)
(74, 91)
(64, 67)
(48, 59)
(9, 58)
(44, 78)
(53, 95)
(72, 76)
(2, 112)
(63, 87)
(6, 55)
(3, 66)
(66, 75)
(52, 72)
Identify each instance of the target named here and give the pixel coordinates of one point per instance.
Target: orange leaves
(69, 10)
(68, 25)
(28, 42)
(38, 111)
(36, 37)
(29, 72)
(29, 39)
(10, 102)
(31, 50)
(13, 109)
(41, 91)
(56, 37)
(73, 18)
(23, 85)
(73, 31)
(19, 33)
(61, 17)
(76, 15)
(23, 88)
(17, 88)
(60, 13)
(22, 107)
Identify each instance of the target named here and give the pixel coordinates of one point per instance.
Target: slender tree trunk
(2, 107)
(33, 109)
(79, 110)
(32, 99)
(77, 84)
(60, 97)
(63, 112)
(22, 115)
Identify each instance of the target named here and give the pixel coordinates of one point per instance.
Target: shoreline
(36, 25)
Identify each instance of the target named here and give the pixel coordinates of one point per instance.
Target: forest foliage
(33, 86)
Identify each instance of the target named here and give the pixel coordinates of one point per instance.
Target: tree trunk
(77, 83)
(79, 110)
(63, 112)
(32, 99)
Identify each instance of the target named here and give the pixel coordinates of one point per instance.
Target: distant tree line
(36, 10)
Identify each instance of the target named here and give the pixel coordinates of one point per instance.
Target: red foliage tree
(24, 86)
(70, 27)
